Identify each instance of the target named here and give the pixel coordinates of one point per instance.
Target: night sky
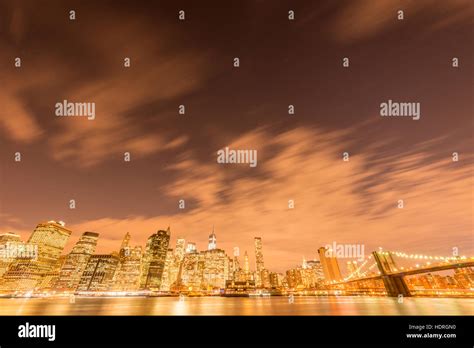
(282, 62)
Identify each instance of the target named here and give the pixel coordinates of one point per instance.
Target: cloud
(17, 122)
(332, 201)
(363, 19)
(130, 103)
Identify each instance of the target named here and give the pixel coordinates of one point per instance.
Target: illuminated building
(25, 273)
(99, 273)
(76, 262)
(265, 278)
(246, 263)
(330, 266)
(10, 246)
(235, 261)
(293, 278)
(154, 260)
(317, 269)
(192, 271)
(212, 241)
(216, 268)
(49, 279)
(191, 248)
(170, 272)
(180, 249)
(276, 280)
(127, 275)
(259, 261)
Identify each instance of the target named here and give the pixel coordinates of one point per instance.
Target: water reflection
(237, 306)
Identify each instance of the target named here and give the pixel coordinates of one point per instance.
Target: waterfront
(236, 306)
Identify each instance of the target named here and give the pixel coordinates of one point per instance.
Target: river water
(236, 306)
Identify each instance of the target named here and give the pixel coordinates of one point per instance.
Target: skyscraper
(180, 249)
(76, 262)
(99, 273)
(10, 247)
(259, 254)
(127, 275)
(154, 260)
(49, 239)
(259, 261)
(212, 240)
(170, 272)
(216, 269)
(330, 266)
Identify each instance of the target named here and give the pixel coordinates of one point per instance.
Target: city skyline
(158, 269)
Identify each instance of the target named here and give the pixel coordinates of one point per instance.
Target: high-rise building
(180, 249)
(212, 241)
(258, 261)
(127, 275)
(246, 263)
(216, 269)
(11, 247)
(235, 261)
(99, 273)
(192, 271)
(154, 260)
(259, 254)
(330, 266)
(191, 248)
(276, 280)
(24, 274)
(170, 272)
(76, 262)
(317, 269)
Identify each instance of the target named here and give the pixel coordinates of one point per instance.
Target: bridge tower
(394, 284)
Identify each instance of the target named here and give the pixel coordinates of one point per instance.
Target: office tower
(246, 263)
(212, 240)
(235, 261)
(170, 272)
(216, 269)
(191, 248)
(99, 273)
(258, 261)
(276, 280)
(24, 274)
(265, 278)
(192, 271)
(127, 275)
(76, 262)
(293, 278)
(49, 279)
(154, 260)
(11, 247)
(317, 269)
(180, 249)
(330, 266)
(259, 254)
